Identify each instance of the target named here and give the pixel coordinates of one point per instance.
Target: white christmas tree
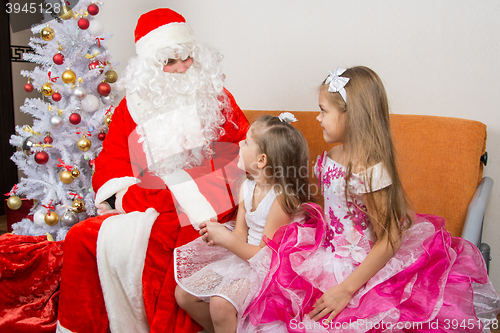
(69, 122)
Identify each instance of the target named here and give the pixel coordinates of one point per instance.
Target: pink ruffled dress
(434, 283)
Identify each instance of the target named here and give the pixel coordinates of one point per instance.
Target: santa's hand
(331, 303)
(104, 208)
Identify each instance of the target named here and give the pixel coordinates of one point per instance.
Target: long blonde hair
(287, 160)
(370, 142)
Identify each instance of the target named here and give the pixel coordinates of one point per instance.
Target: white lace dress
(205, 271)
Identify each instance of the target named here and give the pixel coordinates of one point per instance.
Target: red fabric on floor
(30, 269)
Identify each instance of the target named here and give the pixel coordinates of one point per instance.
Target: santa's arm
(211, 190)
(113, 170)
(122, 163)
(120, 168)
(236, 126)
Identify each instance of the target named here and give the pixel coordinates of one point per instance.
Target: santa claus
(168, 163)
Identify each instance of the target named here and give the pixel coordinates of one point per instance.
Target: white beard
(177, 127)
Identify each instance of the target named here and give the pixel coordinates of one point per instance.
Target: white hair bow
(337, 82)
(287, 117)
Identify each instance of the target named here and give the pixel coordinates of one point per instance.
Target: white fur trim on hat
(164, 36)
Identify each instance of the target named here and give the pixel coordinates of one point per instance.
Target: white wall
(436, 57)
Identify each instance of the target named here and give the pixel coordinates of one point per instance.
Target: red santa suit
(118, 269)
(81, 304)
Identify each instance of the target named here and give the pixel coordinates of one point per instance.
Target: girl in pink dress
(219, 273)
(373, 265)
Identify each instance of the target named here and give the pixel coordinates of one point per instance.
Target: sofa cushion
(438, 159)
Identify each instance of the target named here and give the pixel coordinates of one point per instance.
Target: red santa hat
(159, 29)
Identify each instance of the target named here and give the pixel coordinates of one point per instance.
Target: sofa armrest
(474, 220)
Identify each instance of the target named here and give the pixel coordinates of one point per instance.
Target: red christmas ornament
(101, 136)
(75, 118)
(28, 87)
(83, 23)
(41, 157)
(48, 140)
(58, 58)
(97, 64)
(56, 97)
(91, 163)
(93, 9)
(104, 88)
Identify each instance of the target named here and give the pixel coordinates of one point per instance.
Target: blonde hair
(370, 142)
(287, 160)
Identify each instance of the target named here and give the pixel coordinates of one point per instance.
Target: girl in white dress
(219, 273)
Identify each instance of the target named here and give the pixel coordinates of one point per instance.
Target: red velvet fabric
(30, 269)
(80, 280)
(81, 302)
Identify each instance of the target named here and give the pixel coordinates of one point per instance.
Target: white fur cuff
(113, 186)
(190, 199)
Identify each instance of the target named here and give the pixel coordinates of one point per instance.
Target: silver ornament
(95, 48)
(56, 121)
(69, 218)
(106, 100)
(28, 144)
(79, 92)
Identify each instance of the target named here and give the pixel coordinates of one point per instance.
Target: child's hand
(214, 233)
(332, 302)
(204, 224)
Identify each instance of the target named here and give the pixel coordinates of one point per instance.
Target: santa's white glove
(104, 208)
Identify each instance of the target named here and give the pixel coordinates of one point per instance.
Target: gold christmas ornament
(107, 120)
(84, 144)
(78, 205)
(68, 76)
(47, 89)
(75, 173)
(51, 218)
(111, 76)
(66, 177)
(47, 34)
(66, 12)
(14, 202)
